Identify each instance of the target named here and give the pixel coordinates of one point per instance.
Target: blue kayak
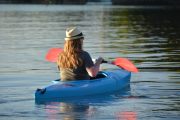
(104, 82)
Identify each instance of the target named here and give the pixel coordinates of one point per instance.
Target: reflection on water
(156, 33)
(86, 107)
(68, 111)
(147, 36)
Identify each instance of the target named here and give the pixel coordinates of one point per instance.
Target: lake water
(148, 36)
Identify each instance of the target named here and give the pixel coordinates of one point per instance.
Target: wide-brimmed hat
(73, 34)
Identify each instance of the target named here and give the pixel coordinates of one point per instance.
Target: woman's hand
(98, 60)
(93, 71)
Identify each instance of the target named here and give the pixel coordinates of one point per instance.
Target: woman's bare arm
(93, 71)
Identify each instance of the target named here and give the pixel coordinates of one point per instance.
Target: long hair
(69, 58)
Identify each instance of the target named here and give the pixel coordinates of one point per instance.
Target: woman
(74, 63)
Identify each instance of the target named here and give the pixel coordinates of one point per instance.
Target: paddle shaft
(104, 61)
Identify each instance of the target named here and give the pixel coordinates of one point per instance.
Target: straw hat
(73, 34)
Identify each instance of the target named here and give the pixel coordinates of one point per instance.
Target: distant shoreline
(84, 2)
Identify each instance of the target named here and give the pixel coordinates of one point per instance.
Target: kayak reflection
(79, 108)
(67, 111)
(127, 115)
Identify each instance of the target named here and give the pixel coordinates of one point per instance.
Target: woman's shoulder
(84, 53)
(87, 59)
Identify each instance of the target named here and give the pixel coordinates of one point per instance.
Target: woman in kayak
(74, 63)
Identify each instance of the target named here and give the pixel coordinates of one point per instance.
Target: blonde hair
(69, 58)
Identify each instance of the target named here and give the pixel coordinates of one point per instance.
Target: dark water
(150, 37)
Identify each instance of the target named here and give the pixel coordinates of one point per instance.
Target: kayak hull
(108, 82)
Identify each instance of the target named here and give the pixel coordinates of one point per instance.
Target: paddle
(52, 54)
(124, 63)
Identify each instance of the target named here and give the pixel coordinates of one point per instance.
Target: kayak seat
(99, 75)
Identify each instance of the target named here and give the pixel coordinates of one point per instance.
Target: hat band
(76, 35)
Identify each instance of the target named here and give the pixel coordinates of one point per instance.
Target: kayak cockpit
(99, 75)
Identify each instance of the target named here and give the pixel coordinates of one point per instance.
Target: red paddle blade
(52, 54)
(125, 64)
